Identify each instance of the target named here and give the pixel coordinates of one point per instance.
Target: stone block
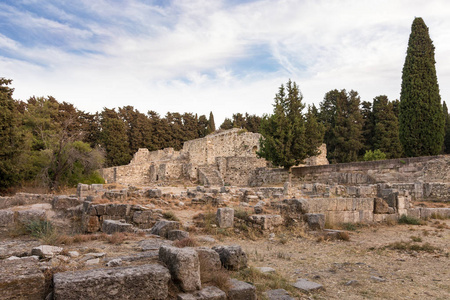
(225, 217)
(163, 227)
(209, 262)
(142, 217)
(266, 222)
(137, 282)
(378, 218)
(211, 293)
(21, 279)
(414, 212)
(46, 251)
(120, 210)
(307, 286)
(175, 235)
(241, 290)
(232, 257)
(381, 206)
(315, 221)
(65, 202)
(6, 218)
(154, 193)
(184, 266)
(111, 226)
(297, 205)
(279, 294)
(24, 216)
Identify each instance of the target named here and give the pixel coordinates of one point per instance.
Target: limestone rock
(65, 202)
(21, 279)
(46, 251)
(163, 227)
(279, 294)
(27, 215)
(174, 235)
(154, 193)
(152, 244)
(240, 290)
(6, 218)
(137, 282)
(184, 266)
(306, 285)
(232, 257)
(90, 223)
(111, 226)
(225, 217)
(267, 222)
(381, 207)
(315, 221)
(209, 262)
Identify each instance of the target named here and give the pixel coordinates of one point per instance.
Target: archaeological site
(213, 221)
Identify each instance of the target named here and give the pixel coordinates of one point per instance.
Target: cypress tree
(421, 120)
(211, 124)
(447, 129)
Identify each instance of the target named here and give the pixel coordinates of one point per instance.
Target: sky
(220, 56)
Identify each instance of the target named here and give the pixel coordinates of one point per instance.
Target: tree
(114, 139)
(447, 129)
(211, 124)
(385, 133)
(421, 118)
(284, 141)
(227, 124)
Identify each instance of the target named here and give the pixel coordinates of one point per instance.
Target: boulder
(279, 294)
(174, 235)
(381, 206)
(184, 266)
(136, 282)
(209, 262)
(240, 290)
(65, 202)
(315, 221)
(21, 279)
(154, 193)
(111, 226)
(163, 227)
(232, 257)
(307, 286)
(24, 216)
(225, 217)
(6, 218)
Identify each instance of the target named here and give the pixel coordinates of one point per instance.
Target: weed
(116, 238)
(404, 219)
(349, 226)
(241, 214)
(416, 239)
(408, 246)
(283, 239)
(186, 242)
(170, 215)
(283, 255)
(39, 228)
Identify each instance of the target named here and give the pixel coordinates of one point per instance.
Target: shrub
(186, 242)
(170, 215)
(349, 226)
(404, 219)
(374, 155)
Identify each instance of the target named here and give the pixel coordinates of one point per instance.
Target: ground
(372, 264)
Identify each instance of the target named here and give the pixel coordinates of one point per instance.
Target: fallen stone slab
(152, 244)
(46, 251)
(24, 216)
(65, 202)
(137, 282)
(111, 226)
(163, 227)
(208, 293)
(307, 286)
(154, 193)
(278, 294)
(241, 290)
(176, 235)
(21, 279)
(266, 222)
(184, 266)
(232, 257)
(266, 269)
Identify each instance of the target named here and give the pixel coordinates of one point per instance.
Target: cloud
(220, 56)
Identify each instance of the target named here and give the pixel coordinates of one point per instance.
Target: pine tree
(284, 141)
(227, 124)
(385, 136)
(421, 118)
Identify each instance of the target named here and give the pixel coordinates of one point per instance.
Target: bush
(374, 155)
(170, 215)
(404, 219)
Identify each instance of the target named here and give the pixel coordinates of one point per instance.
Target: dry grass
(170, 215)
(408, 246)
(186, 242)
(117, 238)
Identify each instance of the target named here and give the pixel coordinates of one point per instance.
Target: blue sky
(220, 56)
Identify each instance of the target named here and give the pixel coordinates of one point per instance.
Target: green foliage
(421, 119)
(377, 154)
(211, 124)
(404, 219)
(343, 125)
(284, 141)
(39, 228)
(249, 122)
(446, 129)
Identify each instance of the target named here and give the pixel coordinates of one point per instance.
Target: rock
(266, 222)
(6, 218)
(209, 262)
(206, 239)
(65, 202)
(266, 269)
(240, 290)
(381, 206)
(93, 261)
(184, 266)
(90, 223)
(225, 217)
(163, 227)
(174, 235)
(279, 294)
(152, 244)
(137, 282)
(27, 215)
(154, 193)
(306, 285)
(315, 221)
(74, 254)
(377, 279)
(114, 262)
(46, 251)
(143, 217)
(111, 226)
(352, 282)
(232, 257)
(21, 279)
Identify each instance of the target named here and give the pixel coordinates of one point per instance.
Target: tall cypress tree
(421, 120)
(211, 124)
(447, 129)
